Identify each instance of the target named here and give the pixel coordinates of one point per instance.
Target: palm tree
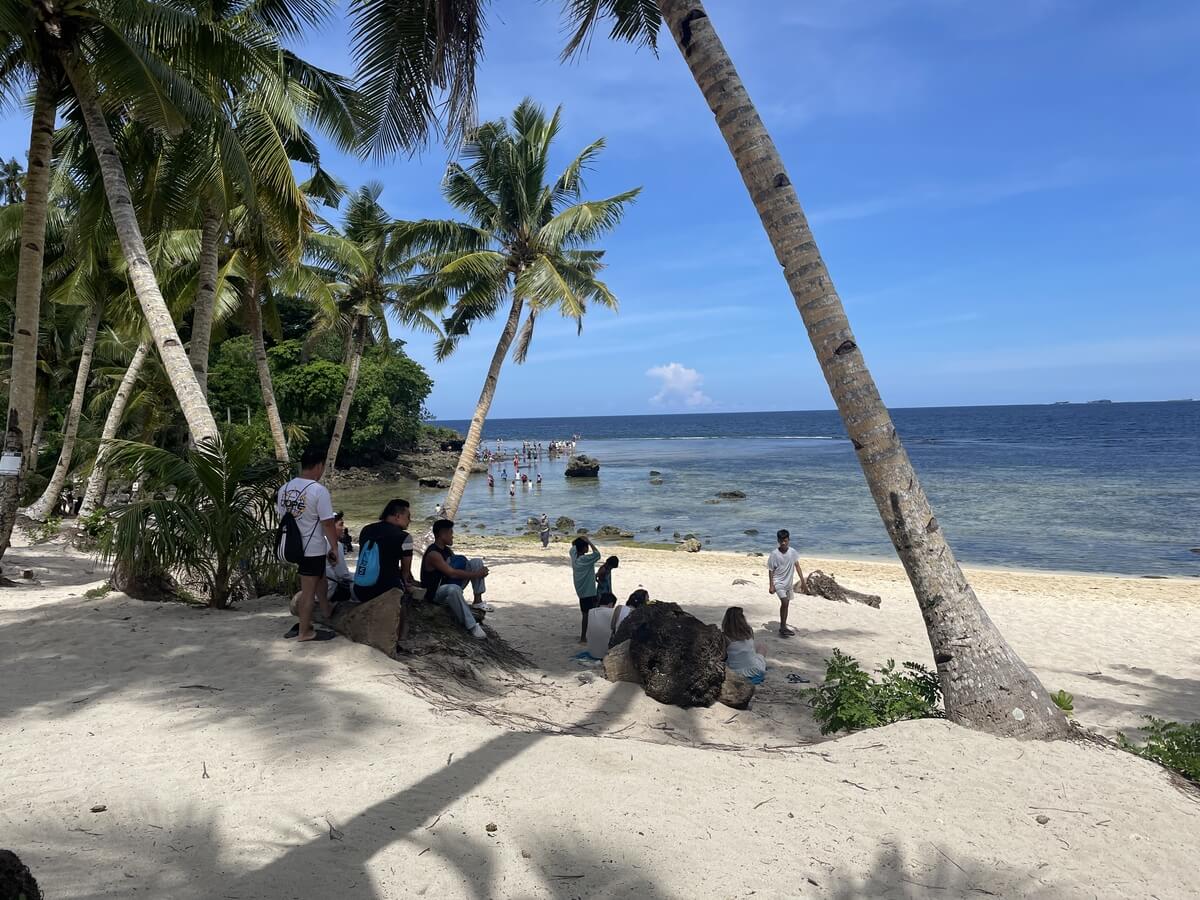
(524, 244)
(206, 513)
(363, 277)
(985, 684)
(12, 182)
(97, 485)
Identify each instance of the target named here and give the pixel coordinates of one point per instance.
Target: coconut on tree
(526, 244)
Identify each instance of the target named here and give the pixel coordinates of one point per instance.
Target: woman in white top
(742, 656)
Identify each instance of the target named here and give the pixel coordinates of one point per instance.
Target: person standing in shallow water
(780, 565)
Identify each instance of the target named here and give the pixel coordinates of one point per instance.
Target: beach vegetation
(527, 243)
(201, 523)
(851, 699)
(1172, 744)
(1064, 701)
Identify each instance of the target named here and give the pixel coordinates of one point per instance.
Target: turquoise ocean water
(1088, 487)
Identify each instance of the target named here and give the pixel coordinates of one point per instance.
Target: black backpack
(289, 542)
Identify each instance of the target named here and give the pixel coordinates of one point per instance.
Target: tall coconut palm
(363, 275)
(525, 243)
(97, 484)
(985, 684)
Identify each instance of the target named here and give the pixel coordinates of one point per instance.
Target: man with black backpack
(307, 538)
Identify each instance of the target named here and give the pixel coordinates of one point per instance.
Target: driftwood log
(818, 584)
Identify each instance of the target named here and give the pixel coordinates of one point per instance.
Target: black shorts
(313, 565)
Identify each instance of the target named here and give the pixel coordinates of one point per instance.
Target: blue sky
(1006, 196)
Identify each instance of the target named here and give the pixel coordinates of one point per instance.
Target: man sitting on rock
(600, 625)
(394, 548)
(443, 574)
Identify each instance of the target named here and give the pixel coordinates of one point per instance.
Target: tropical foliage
(527, 241)
(851, 699)
(202, 517)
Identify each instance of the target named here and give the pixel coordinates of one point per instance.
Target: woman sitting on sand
(742, 656)
(638, 598)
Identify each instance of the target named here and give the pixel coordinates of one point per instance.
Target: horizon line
(833, 409)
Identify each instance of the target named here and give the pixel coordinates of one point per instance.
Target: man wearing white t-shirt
(309, 502)
(780, 565)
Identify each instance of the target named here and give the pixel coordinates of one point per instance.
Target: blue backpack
(366, 574)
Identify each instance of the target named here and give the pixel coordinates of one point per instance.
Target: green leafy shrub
(1064, 701)
(850, 699)
(40, 532)
(94, 528)
(1172, 744)
(205, 521)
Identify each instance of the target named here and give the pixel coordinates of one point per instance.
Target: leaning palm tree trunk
(986, 685)
(466, 459)
(192, 402)
(23, 381)
(97, 485)
(357, 339)
(206, 296)
(254, 320)
(45, 504)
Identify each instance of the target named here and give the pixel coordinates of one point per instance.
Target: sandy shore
(235, 764)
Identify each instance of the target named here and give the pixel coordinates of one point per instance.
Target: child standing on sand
(780, 563)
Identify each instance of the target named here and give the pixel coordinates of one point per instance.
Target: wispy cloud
(678, 385)
(1071, 173)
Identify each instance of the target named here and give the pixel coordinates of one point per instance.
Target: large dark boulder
(582, 466)
(564, 524)
(678, 659)
(732, 495)
(433, 481)
(612, 531)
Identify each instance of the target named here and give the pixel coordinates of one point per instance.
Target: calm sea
(1088, 487)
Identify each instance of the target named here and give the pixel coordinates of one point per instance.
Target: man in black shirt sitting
(395, 549)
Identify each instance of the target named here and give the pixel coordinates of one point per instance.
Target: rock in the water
(564, 524)
(658, 528)
(678, 659)
(656, 481)
(712, 502)
(581, 531)
(654, 473)
(736, 690)
(612, 531)
(676, 535)
(433, 481)
(691, 545)
(581, 465)
(750, 531)
(731, 495)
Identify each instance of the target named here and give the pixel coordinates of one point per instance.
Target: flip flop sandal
(321, 636)
(485, 606)
(294, 631)
(793, 678)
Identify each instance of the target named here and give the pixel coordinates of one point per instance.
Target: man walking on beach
(583, 570)
(780, 564)
(310, 504)
(544, 530)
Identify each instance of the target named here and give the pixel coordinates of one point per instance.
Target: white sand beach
(233, 764)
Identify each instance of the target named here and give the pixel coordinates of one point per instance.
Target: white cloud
(679, 384)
